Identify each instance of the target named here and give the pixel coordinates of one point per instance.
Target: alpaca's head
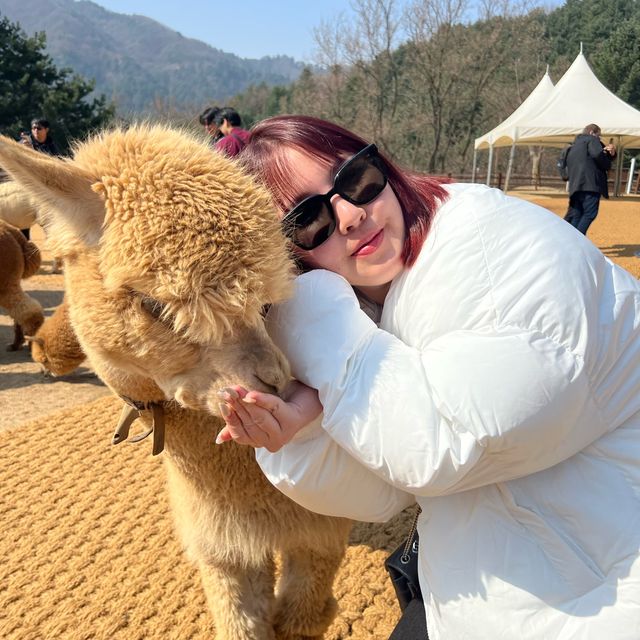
(55, 346)
(33, 318)
(54, 358)
(171, 253)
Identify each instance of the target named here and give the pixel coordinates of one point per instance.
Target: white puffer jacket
(504, 395)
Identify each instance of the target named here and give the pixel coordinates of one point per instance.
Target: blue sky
(258, 27)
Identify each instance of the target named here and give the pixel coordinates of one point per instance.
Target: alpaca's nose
(272, 371)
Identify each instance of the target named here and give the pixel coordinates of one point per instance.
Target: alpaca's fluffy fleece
(171, 253)
(19, 259)
(16, 207)
(216, 211)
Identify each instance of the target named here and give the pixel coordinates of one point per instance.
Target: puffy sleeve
(471, 408)
(314, 471)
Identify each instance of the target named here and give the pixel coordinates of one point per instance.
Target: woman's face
(366, 246)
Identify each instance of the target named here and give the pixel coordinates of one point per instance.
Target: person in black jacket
(39, 137)
(588, 162)
(208, 121)
(40, 140)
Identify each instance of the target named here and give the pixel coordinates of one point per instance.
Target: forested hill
(138, 62)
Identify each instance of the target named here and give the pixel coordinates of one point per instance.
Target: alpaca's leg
(8, 299)
(26, 313)
(18, 338)
(241, 600)
(305, 605)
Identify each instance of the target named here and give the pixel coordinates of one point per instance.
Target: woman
(501, 389)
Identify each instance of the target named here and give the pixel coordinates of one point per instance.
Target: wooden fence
(545, 182)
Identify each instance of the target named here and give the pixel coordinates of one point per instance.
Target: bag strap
(405, 557)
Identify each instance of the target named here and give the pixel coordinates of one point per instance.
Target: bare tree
(456, 70)
(424, 82)
(364, 45)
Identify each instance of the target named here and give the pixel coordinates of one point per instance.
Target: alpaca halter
(131, 411)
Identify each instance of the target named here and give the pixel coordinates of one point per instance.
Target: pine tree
(31, 86)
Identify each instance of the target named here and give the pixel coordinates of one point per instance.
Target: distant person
(207, 120)
(235, 137)
(588, 161)
(39, 139)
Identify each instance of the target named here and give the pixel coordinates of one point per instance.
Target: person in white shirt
(498, 385)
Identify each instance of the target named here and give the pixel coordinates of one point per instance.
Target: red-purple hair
(265, 157)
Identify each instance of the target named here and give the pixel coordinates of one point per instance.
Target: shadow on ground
(621, 250)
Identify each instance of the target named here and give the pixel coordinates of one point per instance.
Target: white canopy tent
(506, 132)
(503, 134)
(578, 99)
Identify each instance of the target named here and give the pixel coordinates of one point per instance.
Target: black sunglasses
(360, 180)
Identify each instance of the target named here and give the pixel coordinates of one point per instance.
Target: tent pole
(618, 179)
(512, 154)
(473, 168)
(630, 178)
(489, 163)
(620, 160)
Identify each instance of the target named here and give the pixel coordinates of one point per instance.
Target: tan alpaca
(16, 207)
(55, 346)
(19, 210)
(171, 254)
(19, 259)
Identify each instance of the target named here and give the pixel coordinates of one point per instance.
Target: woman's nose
(348, 216)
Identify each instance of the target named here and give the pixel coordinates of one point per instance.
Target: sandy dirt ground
(26, 394)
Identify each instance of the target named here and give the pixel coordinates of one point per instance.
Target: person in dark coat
(40, 140)
(588, 162)
(208, 121)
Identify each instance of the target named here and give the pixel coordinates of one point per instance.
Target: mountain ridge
(140, 63)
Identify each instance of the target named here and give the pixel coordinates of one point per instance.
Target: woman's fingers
(233, 429)
(266, 401)
(224, 435)
(252, 418)
(247, 423)
(258, 422)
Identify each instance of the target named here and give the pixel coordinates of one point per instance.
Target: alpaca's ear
(71, 208)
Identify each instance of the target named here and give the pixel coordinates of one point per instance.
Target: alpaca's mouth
(268, 388)
(45, 372)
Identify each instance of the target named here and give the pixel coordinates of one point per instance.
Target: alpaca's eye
(153, 307)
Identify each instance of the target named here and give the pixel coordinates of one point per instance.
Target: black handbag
(402, 566)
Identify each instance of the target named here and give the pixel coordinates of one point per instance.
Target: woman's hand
(265, 420)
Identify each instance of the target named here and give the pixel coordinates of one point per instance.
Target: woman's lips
(370, 245)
